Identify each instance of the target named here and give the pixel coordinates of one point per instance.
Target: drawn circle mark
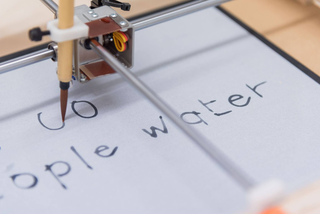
(52, 129)
(83, 101)
(35, 180)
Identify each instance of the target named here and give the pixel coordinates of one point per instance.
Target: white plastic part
(79, 30)
(264, 195)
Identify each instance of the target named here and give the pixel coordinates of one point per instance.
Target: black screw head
(125, 6)
(36, 34)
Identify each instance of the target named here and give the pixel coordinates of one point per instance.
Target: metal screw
(113, 15)
(90, 11)
(111, 39)
(94, 15)
(123, 23)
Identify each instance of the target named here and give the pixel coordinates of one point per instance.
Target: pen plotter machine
(103, 44)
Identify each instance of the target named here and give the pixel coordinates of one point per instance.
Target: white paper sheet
(203, 56)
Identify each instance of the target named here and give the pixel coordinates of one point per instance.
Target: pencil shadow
(113, 103)
(179, 58)
(118, 102)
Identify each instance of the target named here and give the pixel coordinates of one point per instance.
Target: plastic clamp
(79, 30)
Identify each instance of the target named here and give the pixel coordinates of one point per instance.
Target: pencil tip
(63, 103)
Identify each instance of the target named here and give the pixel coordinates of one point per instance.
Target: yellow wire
(119, 41)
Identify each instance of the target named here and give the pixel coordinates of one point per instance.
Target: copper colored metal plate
(96, 69)
(102, 27)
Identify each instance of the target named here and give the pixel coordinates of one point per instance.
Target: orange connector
(274, 210)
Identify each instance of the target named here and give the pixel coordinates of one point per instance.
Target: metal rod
(26, 60)
(213, 152)
(137, 24)
(175, 13)
(52, 6)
